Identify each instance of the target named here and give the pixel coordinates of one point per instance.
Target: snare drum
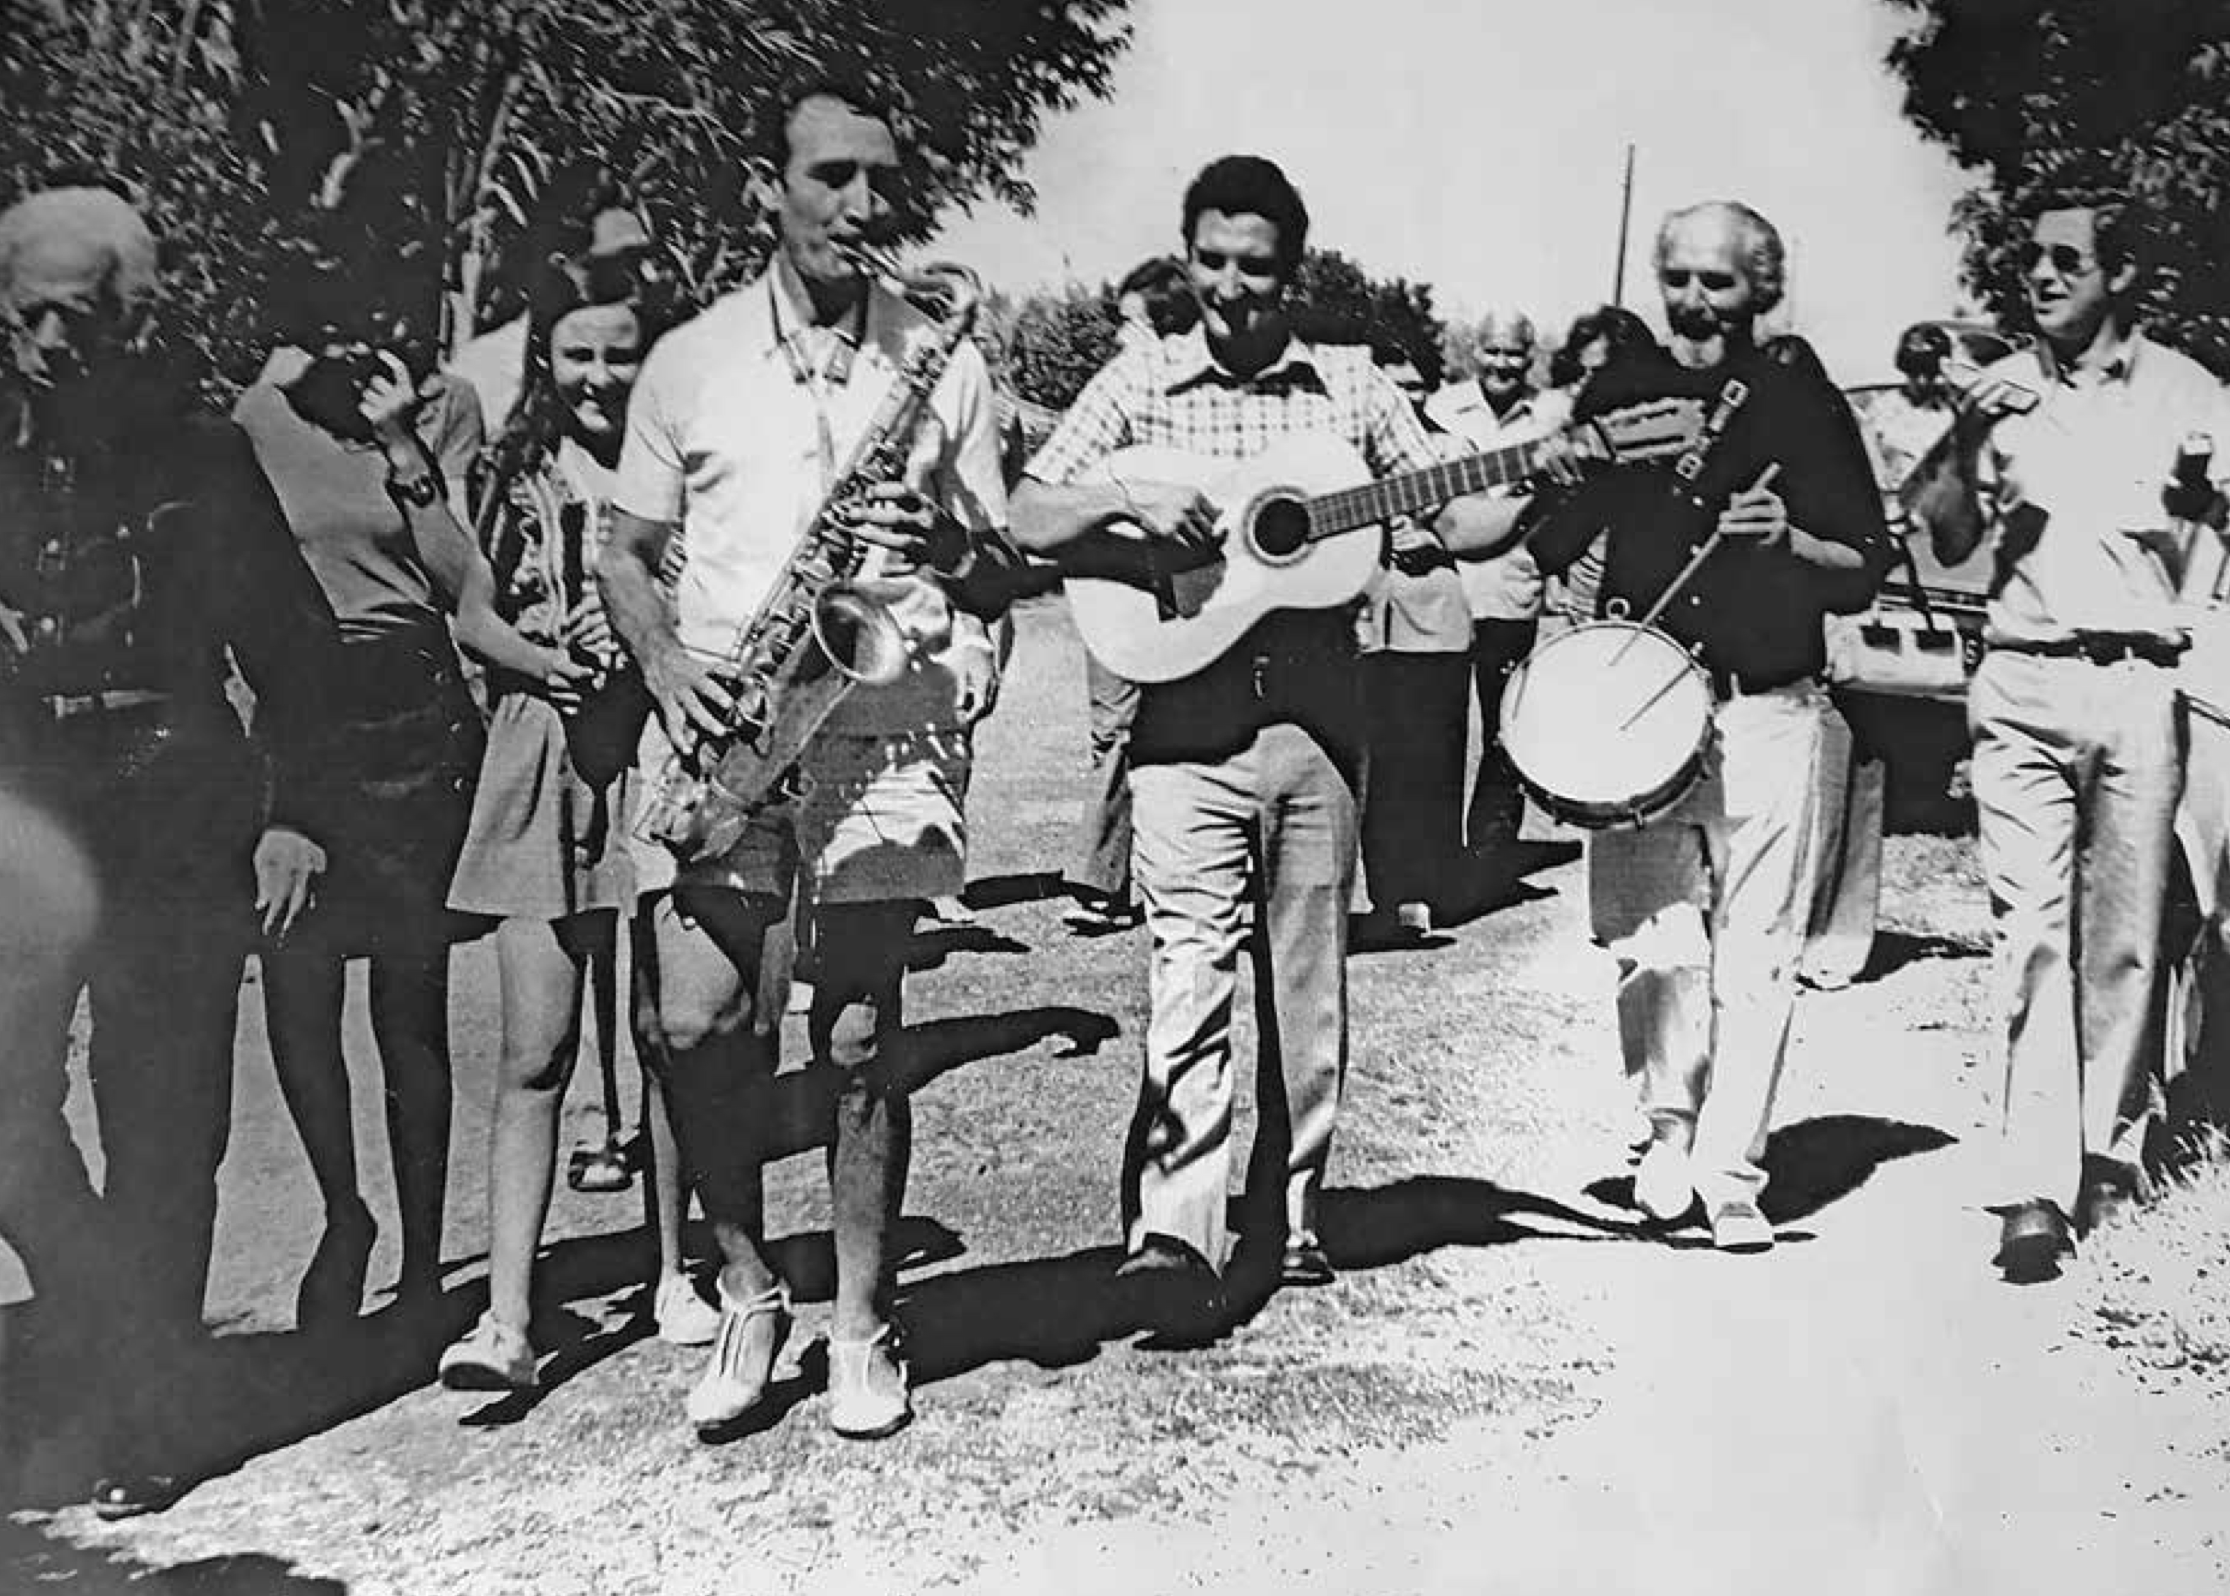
(1608, 724)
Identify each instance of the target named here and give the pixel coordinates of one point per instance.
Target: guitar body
(1267, 562)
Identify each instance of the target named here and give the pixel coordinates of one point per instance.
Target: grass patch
(2160, 1281)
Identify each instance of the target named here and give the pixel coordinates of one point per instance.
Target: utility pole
(1625, 214)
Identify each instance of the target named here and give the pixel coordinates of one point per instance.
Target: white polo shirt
(1507, 587)
(727, 439)
(2093, 455)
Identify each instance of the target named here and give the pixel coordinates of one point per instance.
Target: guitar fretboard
(1414, 492)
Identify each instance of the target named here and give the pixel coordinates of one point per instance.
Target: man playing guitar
(1243, 769)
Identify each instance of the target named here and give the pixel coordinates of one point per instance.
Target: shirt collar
(789, 319)
(1187, 363)
(2115, 364)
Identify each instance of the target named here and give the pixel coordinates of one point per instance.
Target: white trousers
(1705, 911)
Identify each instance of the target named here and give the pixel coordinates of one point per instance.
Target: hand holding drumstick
(1757, 512)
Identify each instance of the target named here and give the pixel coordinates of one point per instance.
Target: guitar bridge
(1186, 593)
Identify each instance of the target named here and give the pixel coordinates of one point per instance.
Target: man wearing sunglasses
(2078, 745)
(1776, 523)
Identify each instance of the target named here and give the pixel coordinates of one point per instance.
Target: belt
(1270, 672)
(2099, 648)
(1726, 684)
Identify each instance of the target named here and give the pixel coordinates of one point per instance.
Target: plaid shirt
(1170, 392)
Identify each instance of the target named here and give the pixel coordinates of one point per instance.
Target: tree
(409, 142)
(2039, 92)
(1047, 345)
(1337, 302)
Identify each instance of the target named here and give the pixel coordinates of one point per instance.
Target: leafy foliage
(2036, 92)
(409, 142)
(1047, 345)
(1337, 302)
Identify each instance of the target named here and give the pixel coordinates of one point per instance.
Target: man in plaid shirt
(1243, 774)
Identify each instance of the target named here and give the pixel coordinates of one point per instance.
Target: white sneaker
(1663, 1188)
(683, 1317)
(1741, 1226)
(491, 1356)
(1414, 918)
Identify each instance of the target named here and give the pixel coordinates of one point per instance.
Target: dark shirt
(1752, 612)
(1296, 667)
(138, 562)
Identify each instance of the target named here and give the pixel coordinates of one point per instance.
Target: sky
(1477, 145)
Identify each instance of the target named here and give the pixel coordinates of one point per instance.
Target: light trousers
(1854, 785)
(1704, 911)
(2198, 949)
(1103, 830)
(1272, 824)
(2077, 770)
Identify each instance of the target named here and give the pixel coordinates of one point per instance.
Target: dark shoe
(332, 1290)
(131, 1495)
(1305, 1264)
(2108, 1200)
(1174, 1292)
(2035, 1239)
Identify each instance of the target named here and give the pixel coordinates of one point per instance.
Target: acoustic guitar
(1300, 531)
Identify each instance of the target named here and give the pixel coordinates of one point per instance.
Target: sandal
(605, 1168)
(869, 1387)
(736, 1381)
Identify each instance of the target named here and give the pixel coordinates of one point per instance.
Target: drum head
(1607, 722)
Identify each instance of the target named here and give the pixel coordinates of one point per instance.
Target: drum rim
(1643, 808)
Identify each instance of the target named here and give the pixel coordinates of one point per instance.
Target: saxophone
(825, 627)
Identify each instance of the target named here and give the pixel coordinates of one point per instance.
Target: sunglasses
(1214, 260)
(1713, 282)
(2066, 259)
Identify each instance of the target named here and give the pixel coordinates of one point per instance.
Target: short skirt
(542, 843)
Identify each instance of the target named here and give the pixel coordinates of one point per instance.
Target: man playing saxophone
(739, 425)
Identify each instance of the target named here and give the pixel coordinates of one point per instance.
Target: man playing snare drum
(1705, 906)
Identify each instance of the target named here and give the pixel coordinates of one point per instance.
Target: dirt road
(1509, 1389)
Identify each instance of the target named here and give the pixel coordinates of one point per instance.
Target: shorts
(882, 819)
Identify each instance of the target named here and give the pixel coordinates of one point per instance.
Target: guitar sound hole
(1281, 528)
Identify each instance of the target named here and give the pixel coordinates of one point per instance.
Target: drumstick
(1649, 703)
(1765, 480)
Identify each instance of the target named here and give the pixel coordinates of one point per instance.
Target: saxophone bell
(860, 636)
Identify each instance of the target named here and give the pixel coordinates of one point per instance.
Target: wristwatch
(418, 491)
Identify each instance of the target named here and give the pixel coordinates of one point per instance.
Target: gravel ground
(1508, 1389)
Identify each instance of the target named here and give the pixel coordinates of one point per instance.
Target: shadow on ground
(1058, 1312)
(1808, 1165)
(1893, 950)
(1819, 1161)
(30, 1561)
